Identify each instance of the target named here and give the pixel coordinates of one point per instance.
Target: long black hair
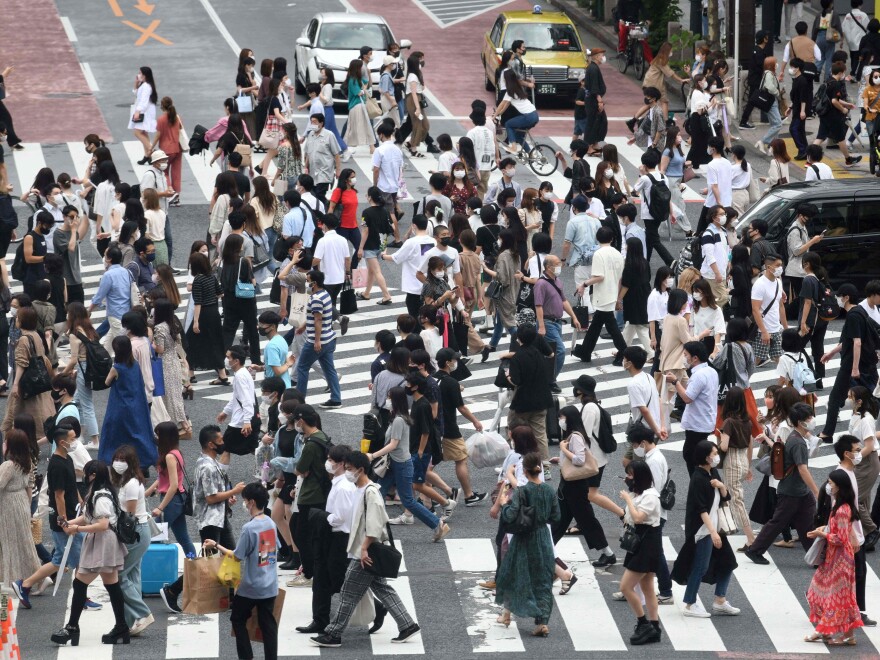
(102, 481)
(845, 493)
(635, 261)
(574, 423)
(148, 78)
(400, 405)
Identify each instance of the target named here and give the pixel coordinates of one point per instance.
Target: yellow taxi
(554, 56)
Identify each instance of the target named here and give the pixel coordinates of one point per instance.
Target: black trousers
(6, 118)
(244, 311)
(751, 85)
(792, 288)
(75, 293)
(330, 564)
(320, 192)
(333, 290)
(691, 438)
(842, 383)
(301, 530)
(861, 576)
(797, 512)
(4, 350)
(574, 503)
(413, 304)
(815, 339)
(241, 612)
(600, 319)
(698, 153)
(222, 535)
(652, 236)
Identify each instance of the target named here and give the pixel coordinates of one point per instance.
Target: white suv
(333, 40)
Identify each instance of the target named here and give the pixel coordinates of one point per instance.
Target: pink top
(163, 474)
(217, 131)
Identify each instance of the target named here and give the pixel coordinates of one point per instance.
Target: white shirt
(389, 159)
(643, 392)
(649, 504)
(699, 100)
(824, 172)
(591, 418)
(873, 312)
(863, 426)
(333, 250)
(484, 147)
(607, 262)
(410, 256)
(706, 317)
(523, 106)
(433, 343)
(534, 269)
(660, 471)
(450, 258)
(341, 502)
(240, 408)
(446, 160)
(134, 490)
(475, 222)
(155, 178)
(657, 303)
(413, 78)
(764, 290)
(713, 244)
(718, 172)
(643, 186)
(739, 179)
(312, 202)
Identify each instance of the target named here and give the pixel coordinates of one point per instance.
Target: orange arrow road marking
(145, 7)
(147, 33)
(114, 7)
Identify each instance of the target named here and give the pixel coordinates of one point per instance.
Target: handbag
(667, 495)
(386, 558)
(275, 290)
(245, 150)
(726, 523)
(688, 174)
(381, 465)
(815, 556)
(262, 258)
(423, 102)
(494, 290)
(229, 573)
(158, 375)
(501, 380)
(762, 99)
(832, 35)
(137, 117)
(244, 290)
(526, 296)
(782, 180)
(572, 472)
(245, 102)
(279, 187)
(296, 308)
(581, 313)
(525, 521)
(36, 378)
(347, 299)
(374, 110)
(630, 539)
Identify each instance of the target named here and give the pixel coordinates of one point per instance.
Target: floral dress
(172, 373)
(832, 592)
(291, 166)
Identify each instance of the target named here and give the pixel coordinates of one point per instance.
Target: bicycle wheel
(639, 61)
(542, 160)
(623, 60)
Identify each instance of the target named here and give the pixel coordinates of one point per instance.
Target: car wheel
(298, 86)
(489, 86)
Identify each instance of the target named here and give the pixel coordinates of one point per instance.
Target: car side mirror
(405, 43)
(303, 41)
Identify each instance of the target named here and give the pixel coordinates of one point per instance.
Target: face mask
(46, 229)
(639, 451)
(454, 365)
(557, 270)
(298, 427)
(136, 236)
(264, 332)
(267, 401)
(352, 181)
(119, 467)
(777, 272)
(509, 172)
(670, 282)
(848, 404)
(828, 490)
(791, 71)
(609, 174)
(547, 195)
(630, 483)
(647, 100)
(562, 425)
(699, 58)
(440, 274)
(458, 174)
(13, 312)
(316, 127)
(857, 458)
(715, 460)
(351, 476)
(245, 507)
(603, 59)
(498, 243)
(875, 81)
(219, 448)
(330, 467)
(56, 395)
(151, 257)
(698, 296)
(810, 424)
(282, 419)
(73, 446)
(704, 85)
(58, 199)
(839, 301)
(446, 241)
(227, 364)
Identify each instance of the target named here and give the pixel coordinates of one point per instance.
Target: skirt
(102, 553)
(288, 489)
(359, 131)
(206, 350)
(645, 558)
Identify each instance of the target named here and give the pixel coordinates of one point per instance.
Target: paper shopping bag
(202, 593)
(253, 624)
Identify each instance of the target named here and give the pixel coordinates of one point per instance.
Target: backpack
(667, 495)
(821, 102)
(606, 440)
(828, 309)
(136, 188)
(777, 461)
(689, 254)
(52, 421)
(98, 363)
(803, 379)
(126, 525)
(782, 243)
(19, 265)
(661, 196)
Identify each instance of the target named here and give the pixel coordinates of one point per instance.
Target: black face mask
(446, 241)
(219, 448)
(56, 395)
(647, 100)
(630, 483)
(264, 332)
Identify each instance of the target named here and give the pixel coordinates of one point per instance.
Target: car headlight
(574, 74)
(323, 65)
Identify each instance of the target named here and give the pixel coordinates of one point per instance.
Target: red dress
(832, 593)
(459, 196)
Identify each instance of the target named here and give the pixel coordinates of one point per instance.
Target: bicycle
(634, 51)
(541, 158)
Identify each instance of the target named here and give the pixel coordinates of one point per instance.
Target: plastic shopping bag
(229, 573)
(487, 449)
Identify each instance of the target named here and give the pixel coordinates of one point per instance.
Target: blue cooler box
(158, 567)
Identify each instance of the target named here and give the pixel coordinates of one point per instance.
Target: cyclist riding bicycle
(517, 127)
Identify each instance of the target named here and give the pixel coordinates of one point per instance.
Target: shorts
(287, 491)
(60, 539)
(371, 254)
(833, 129)
(769, 351)
(596, 480)
(420, 467)
(238, 444)
(580, 126)
(390, 200)
(454, 449)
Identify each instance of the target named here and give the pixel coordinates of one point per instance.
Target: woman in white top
(117, 213)
(415, 88)
(155, 218)
(862, 425)
(528, 114)
(741, 179)
(129, 482)
(643, 516)
(777, 173)
(143, 112)
(105, 193)
(658, 300)
(700, 103)
(430, 333)
(542, 245)
(708, 316)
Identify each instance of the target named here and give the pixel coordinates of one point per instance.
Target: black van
(849, 209)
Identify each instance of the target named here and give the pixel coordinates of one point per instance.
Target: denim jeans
(553, 335)
(702, 555)
(83, 399)
(775, 124)
(401, 476)
(272, 238)
(523, 123)
(325, 357)
(827, 49)
(664, 581)
(353, 236)
(499, 329)
(130, 577)
(176, 520)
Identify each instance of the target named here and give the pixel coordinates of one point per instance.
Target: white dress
(142, 104)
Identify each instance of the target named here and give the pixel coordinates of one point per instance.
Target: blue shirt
(275, 355)
(115, 289)
(256, 549)
(581, 233)
(297, 223)
(700, 415)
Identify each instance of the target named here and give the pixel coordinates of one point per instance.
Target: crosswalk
(766, 592)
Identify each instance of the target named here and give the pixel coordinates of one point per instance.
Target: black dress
(205, 350)
(635, 302)
(597, 122)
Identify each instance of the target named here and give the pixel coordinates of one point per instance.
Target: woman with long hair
(142, 114)
(105, 235)
(225, 192)
(656, 76)
(345, 196)
(360, 129)
(127, 478)
(105, 193)
(673, 164)
(516, 127)
(530, 214)
(831, 595)
(327, 80)
(168, 128)
(658, 299)
(34, 196)
(272, 132)
(742, 179)
(707, 316)
(676, 333)
(777, 173)
(507, 265)
(606, 184)
(30, 345)
(468, 156)
(770, 84)
(414, 90)
(246, 85)
(290, 159)
(254, 231)
(238, 310)
(517, 227)
(262, 107)
(19, 557)
(167, 343)
(265, 204)
(205, 348)
(375, 223)
(102, 554)
(459, 188)
(234, 135)
(635, 288)
(735, 442)
(156, 220)
(741, 278)
(699, 124)
(80, 331)
(862, 425)
(171, 484)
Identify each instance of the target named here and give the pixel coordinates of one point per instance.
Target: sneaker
(343, 325)
(23, 593)
(852, 160)
(757, 558)
(631, 124)
(867, 621)
(174, 200)
(402, 519)
(747, 125)
(489, 585)
(725, 608)
(330, 404)
(46, 583)
(326, 641)
(474, 499)
(300, 581)
(618, 595)
(604, 560)
(450, 507)
(440, 532)
(555, 389)
(645, 633)
(456, 495)
(548, 475)
(92, 606)
(666, 600)
(170, 600)
(405, 634)
(142, 624)
(759, 145)
(696, 610)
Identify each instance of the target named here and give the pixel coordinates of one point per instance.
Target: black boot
(120, 632)
(68, 633)
(119, 635)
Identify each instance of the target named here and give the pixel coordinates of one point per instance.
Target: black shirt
(811, 289)
(857, 326)
(450, 401)
(580, 111)
(241, 182)
(422, 423)
(487, 237)
(34, 272)
(286, 441)
(377, 221)
(801, 92)
(62, 476)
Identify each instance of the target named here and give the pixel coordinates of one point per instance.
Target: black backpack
(126, 525)
(98, 363)
(197, 142)
(606, 440)
(51, 422)
(691, 256)
(19, 266)
(660, 198)
(323, 477)
(821, 102)
(827, 306)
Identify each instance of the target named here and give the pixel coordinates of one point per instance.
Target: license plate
(546, 89)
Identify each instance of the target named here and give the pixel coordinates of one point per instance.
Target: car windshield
(543, 36)
(351, 36)
(768, 207)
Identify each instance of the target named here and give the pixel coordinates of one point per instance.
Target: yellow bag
(230, 572)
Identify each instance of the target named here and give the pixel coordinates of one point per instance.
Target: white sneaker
(725, 608)
(299, 581)
(45, 583)
(402, 519)
(759, 145)
(618, 595)
(440, 531)
(665, 600)
(696, 610)
(449, 508)
(346, 155)
(142, 624)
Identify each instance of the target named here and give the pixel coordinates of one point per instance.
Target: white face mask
(13, 312)
(547, 195)
(298, 428)
(715, 460)
(704, 84)
(603, 59)
(848, 404)
(73, 446)
(440, 274)
(562, 425)
(498, 243)
(120, 467)
(698, 296)
(267, 400)
(557, 270)
(282, 419)
(810, 424)
(454, 365)
(352, 181)
(609, 174)
(857, 458)
(792, 71)
(162, 166)
(509, 172)
(351, 476)
(875, 81)
(828, 490)
(722, 220)
(639, 451)
(839, 301)
(698, 57)
(58, 199)
(670, 282)
(245, 507)
(777, 272)
(227, 364)
(458, 174)
(330, 467)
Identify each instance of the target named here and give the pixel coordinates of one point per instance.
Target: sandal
(219, 381)
(363, 297)
(816, 637)
(784, 544)
(594, 154)
(385, 302)
(193, 379)
(568, 584)
(847, 640)
(572, 531)
(540, 631)
(188, 393)
(504, 619)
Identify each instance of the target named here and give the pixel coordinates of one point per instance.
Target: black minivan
(849, 212)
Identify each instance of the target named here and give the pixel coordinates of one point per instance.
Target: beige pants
(736, 464)
(114, 331)
(420, 127)
(631, 331)
(719, 290)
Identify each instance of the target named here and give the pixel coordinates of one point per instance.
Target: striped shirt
(320, 303)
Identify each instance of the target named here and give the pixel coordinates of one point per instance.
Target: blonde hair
(687, 278)
(151, 199)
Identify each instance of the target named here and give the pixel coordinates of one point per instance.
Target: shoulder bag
(667, 495)
(726, 523)
(347, 299)
(782, 180)
(261, 254)
(386, 558)
(572, 472)
(158, 374)
(494, 290)
(762, 98)
(526, 295)
(753, 330)
(525, 521)
(36, 378)
(245, 150)
(244, 290)
(630, 541)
